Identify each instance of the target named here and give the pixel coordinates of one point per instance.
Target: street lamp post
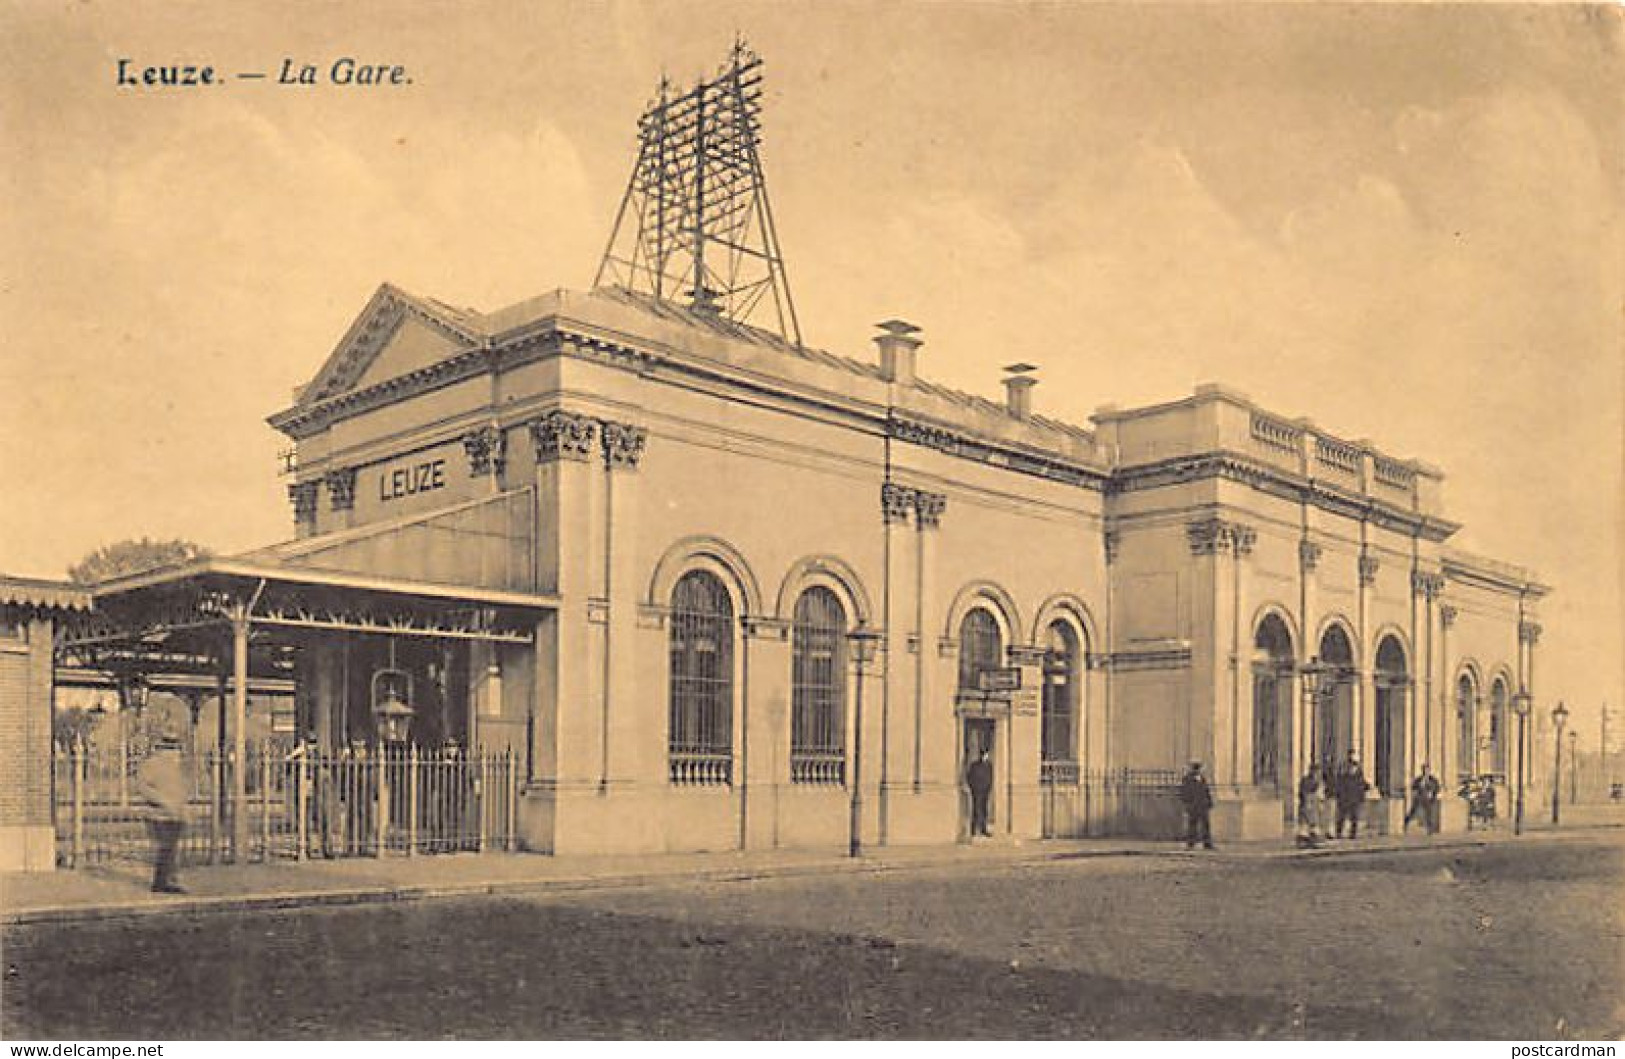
(864, 641)
(1560, 714)
(1521, 703)
(1314, 674)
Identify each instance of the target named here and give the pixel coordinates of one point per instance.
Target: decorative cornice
(928, 508)
(1287, 485)
(1369, 565)
(623, 444)
(965, 446)
(304, 497)
(561, 435)
(1308, 555)
(303, 421)
(897, 502)
(487, 450)
(340, 482)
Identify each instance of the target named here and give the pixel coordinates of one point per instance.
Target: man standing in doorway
(1197, 797)
(979, 778)
(1349, 788)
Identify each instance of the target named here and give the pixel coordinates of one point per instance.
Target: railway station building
(704, 582)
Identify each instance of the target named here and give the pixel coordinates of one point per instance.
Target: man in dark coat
(979, 778)
(1197, 798)
(1425, 800)
(1349, 788)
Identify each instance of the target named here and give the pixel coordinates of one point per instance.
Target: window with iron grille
(818, 689)
(1058, 749)
(1466, 704)
(701, 750)
(981, 648)
(1498, 722)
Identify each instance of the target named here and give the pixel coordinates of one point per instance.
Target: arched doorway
(1272, 701)
(1058, 742)
(1332, 735)
(1393, 683)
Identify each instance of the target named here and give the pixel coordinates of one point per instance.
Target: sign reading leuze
(411, 479)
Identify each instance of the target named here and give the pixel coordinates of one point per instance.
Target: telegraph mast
(695, 227)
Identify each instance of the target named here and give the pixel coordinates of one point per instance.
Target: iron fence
(1088, 803)
(296, 804)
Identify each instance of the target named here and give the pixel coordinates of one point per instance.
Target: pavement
(119, 889)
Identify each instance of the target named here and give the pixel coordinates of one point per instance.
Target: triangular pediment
(396, 334)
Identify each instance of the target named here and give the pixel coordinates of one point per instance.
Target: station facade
(699, 516)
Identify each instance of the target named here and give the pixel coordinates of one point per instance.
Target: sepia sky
(1404, 222)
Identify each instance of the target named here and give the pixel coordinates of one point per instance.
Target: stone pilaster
(1018, 764)
(928, 512)
(571, 517)
(1217, 545)
(1449, 724)
(762, 744)
(889, 731)
(629, 755)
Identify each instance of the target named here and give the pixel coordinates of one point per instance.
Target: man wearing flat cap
(1197, 798)
(161, 783)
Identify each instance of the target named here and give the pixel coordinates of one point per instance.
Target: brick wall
(25, 719)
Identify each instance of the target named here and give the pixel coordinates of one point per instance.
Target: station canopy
(181, 620)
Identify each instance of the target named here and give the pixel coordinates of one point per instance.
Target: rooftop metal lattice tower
(695, 228)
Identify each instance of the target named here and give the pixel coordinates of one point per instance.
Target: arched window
(701, 680)
(981, 647)
(818, 689)
(1466, 706)
(1058, 741)
(1498, 727)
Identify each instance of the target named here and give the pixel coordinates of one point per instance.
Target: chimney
(897, 350)
(1018, 389)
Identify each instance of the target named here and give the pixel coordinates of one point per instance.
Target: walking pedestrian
(1350, 787)
(1425, 800)
(161, 784)
(1311, 790)
(979, 778)
(1197, 797)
